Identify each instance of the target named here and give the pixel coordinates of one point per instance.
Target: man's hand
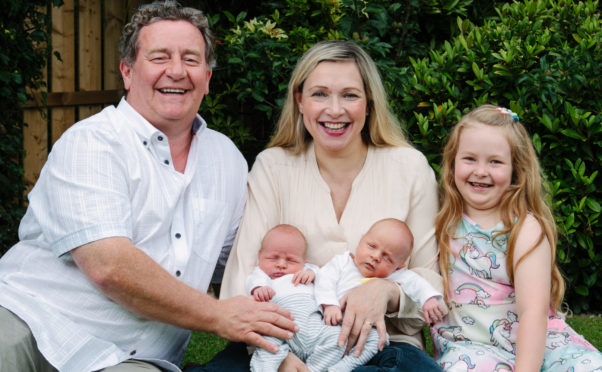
(263, 294)
(243, 319)
(304, 277)
(432, 311)
(332, 314)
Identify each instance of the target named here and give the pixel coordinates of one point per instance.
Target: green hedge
(542, 59)
(22, 57)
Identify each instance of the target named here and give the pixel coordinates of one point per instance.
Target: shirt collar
(145, 129)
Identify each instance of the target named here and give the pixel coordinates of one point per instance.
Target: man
(131, 212)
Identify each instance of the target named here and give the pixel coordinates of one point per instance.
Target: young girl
(498, 245)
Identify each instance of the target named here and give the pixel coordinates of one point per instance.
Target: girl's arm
(532, 280)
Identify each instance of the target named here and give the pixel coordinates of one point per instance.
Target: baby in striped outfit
(284, 278)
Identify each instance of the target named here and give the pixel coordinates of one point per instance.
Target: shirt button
(178, 273)
(166, 162)
(133, 352)
(144, 143)
(178, 235)
(160, 138)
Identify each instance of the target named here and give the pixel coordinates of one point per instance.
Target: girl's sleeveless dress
(479, 333)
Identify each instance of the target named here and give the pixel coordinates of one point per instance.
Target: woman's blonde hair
(383, 128)
(526, 194)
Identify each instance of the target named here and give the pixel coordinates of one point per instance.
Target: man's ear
(126, 74)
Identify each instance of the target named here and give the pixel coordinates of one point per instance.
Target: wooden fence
(86, 34)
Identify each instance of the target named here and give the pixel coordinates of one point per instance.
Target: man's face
(167, 81)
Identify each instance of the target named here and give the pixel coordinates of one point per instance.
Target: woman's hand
(365, 307)
(292, 364)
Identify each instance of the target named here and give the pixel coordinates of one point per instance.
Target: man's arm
(132, 279)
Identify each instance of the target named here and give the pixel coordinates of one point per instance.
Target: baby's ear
(401, 266)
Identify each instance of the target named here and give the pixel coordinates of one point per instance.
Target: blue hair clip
(506, 111)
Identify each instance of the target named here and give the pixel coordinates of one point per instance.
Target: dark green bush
(439, 59)
(256, 54)
(22, 56)
(543, 60)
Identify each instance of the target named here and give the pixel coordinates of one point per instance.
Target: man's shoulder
(101, 126)
(213, 141)
(218, 137)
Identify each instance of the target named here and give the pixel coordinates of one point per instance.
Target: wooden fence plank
(63, 73)
(90, 52)
(35, 143)
(114, 15)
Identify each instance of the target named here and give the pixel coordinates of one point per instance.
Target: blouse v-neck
(313, 164)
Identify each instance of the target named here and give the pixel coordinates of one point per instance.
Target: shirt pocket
(210, 227)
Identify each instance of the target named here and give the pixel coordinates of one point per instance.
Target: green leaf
(593, 205)
(573, 134)
(582, 290)
(22, 97)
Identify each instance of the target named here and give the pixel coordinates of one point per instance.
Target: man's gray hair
(160, 11)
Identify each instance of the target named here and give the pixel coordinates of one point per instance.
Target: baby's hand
(432, 310)
(263, 294)
(304, 277)
(332, 314)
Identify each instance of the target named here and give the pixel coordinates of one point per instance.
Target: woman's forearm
(394, 295)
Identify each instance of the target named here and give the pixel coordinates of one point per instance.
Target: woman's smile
(333, 104)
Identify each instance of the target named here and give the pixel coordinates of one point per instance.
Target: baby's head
(384, 248)
(282, 251)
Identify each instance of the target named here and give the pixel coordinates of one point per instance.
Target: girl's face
(483, 169)
(333, 103)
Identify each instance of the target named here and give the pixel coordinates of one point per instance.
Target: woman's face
(334, 105)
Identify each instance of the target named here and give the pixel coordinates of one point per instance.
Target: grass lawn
(204, 346)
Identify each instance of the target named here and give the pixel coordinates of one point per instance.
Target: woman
(337, 163)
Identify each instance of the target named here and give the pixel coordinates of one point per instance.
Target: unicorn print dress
(479, 333)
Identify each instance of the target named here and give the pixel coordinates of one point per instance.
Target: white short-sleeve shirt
(111, 175)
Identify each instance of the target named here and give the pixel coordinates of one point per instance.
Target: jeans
(400, 356)
(397, 356)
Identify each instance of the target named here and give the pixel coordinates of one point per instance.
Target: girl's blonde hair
(383, 128)
(526, 194)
